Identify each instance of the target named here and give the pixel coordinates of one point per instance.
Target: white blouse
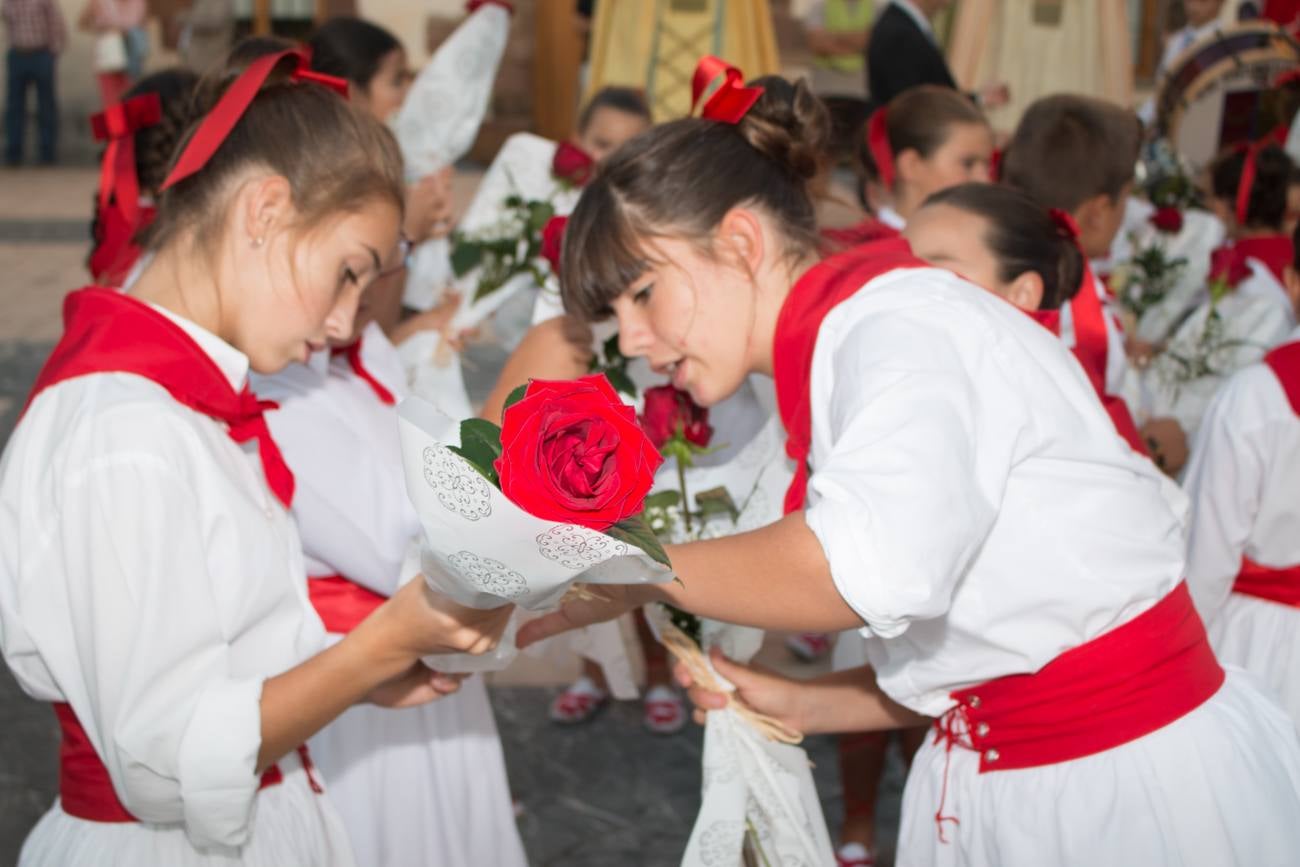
(151, 580)
(976, 506)
(1242, 479)
(355, 519)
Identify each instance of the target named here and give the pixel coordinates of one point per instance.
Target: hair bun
(789, 125)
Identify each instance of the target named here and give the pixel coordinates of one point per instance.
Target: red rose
(572, 451)
(1167, 219)
(1229, 265)
(572, 164)
(668, 410)
(553, 242)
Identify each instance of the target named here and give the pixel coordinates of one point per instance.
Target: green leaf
(635, 531)
(480, 446)
(514, 397)
(465, 257)
(663, 500)
(611, 351)
(621, 381)
(539, 214)
(717, 501)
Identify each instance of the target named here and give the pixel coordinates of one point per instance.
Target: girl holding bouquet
(961, 498)
(154, 588)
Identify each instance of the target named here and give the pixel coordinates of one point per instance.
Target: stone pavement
(606, 793)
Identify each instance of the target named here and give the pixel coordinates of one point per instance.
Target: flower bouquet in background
(759, 803)
(508, 249)
(519, 513)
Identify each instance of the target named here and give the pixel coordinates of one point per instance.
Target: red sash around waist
(341, 603)
(1123, 685)
(1280, 585)
(85, 789)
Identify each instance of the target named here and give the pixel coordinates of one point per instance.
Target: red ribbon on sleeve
(732, 100)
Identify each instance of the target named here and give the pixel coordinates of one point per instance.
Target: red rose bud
(572, 164)
(1167, 219)
(668, 410)
(1229, 265)
(573, 452)
(553, 242)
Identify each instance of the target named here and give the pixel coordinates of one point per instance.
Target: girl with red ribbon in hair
(1247, 312)
(961, 497)
(1243, 560)
(927, 139)
(157, 598)
(141, 134)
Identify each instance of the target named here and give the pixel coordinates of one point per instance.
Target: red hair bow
(732, 100)
(882, 152)
(216, 127)
(117, 124)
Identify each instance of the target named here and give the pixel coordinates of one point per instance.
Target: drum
(1218, 93)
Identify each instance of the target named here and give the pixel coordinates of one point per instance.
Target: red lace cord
(953, 729)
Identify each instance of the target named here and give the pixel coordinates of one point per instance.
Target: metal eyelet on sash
(973, 701)
(992, 756)
(982, 730)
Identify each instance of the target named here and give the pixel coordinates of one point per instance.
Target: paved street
(607, 793)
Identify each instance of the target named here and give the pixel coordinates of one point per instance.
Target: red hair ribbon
(882, 152)
(1287, 77)
(995, 166)
(474, 5)
(1086, 316)
(731, 100)
(117, 124)
(216, 127)
(1246, 186)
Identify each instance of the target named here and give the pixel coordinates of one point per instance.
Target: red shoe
(579, 703)
(809, 646)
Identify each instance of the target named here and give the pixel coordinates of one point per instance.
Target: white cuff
(217, 764)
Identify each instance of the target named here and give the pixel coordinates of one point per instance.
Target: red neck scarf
(1274, 251)
(111, 332)
(870, 229)
(816, 294)
(1285, 364)
(352, 352)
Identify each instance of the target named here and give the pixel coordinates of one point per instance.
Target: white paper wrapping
(438, 122)
(483, 551)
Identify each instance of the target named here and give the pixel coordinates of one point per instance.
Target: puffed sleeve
(151, 682)
(922, 430)
(1225, 482)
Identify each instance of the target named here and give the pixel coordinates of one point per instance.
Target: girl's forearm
(851, 701)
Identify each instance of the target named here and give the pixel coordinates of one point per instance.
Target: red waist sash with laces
(1280, 584)
(106, 331)
(1133, 680)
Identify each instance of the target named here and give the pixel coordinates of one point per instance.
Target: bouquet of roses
(759, 804)
(519, 513)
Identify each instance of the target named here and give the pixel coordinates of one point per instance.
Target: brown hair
(681, 178)
(919, 119)
(1069, 149)
(629, 100)
(1022, 236)
(335, 158)
(1266, 208)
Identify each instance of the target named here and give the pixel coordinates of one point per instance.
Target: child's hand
(762, 690)
(993, 95)
(417, 622)
(418, 685)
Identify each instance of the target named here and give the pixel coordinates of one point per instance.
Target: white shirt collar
(231, 362)
(916, 15)
(890, 218)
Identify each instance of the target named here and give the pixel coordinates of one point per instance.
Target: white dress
(1256, 316)
(978, 512)
(150, 579)
(423, 785)
(1242, 478)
